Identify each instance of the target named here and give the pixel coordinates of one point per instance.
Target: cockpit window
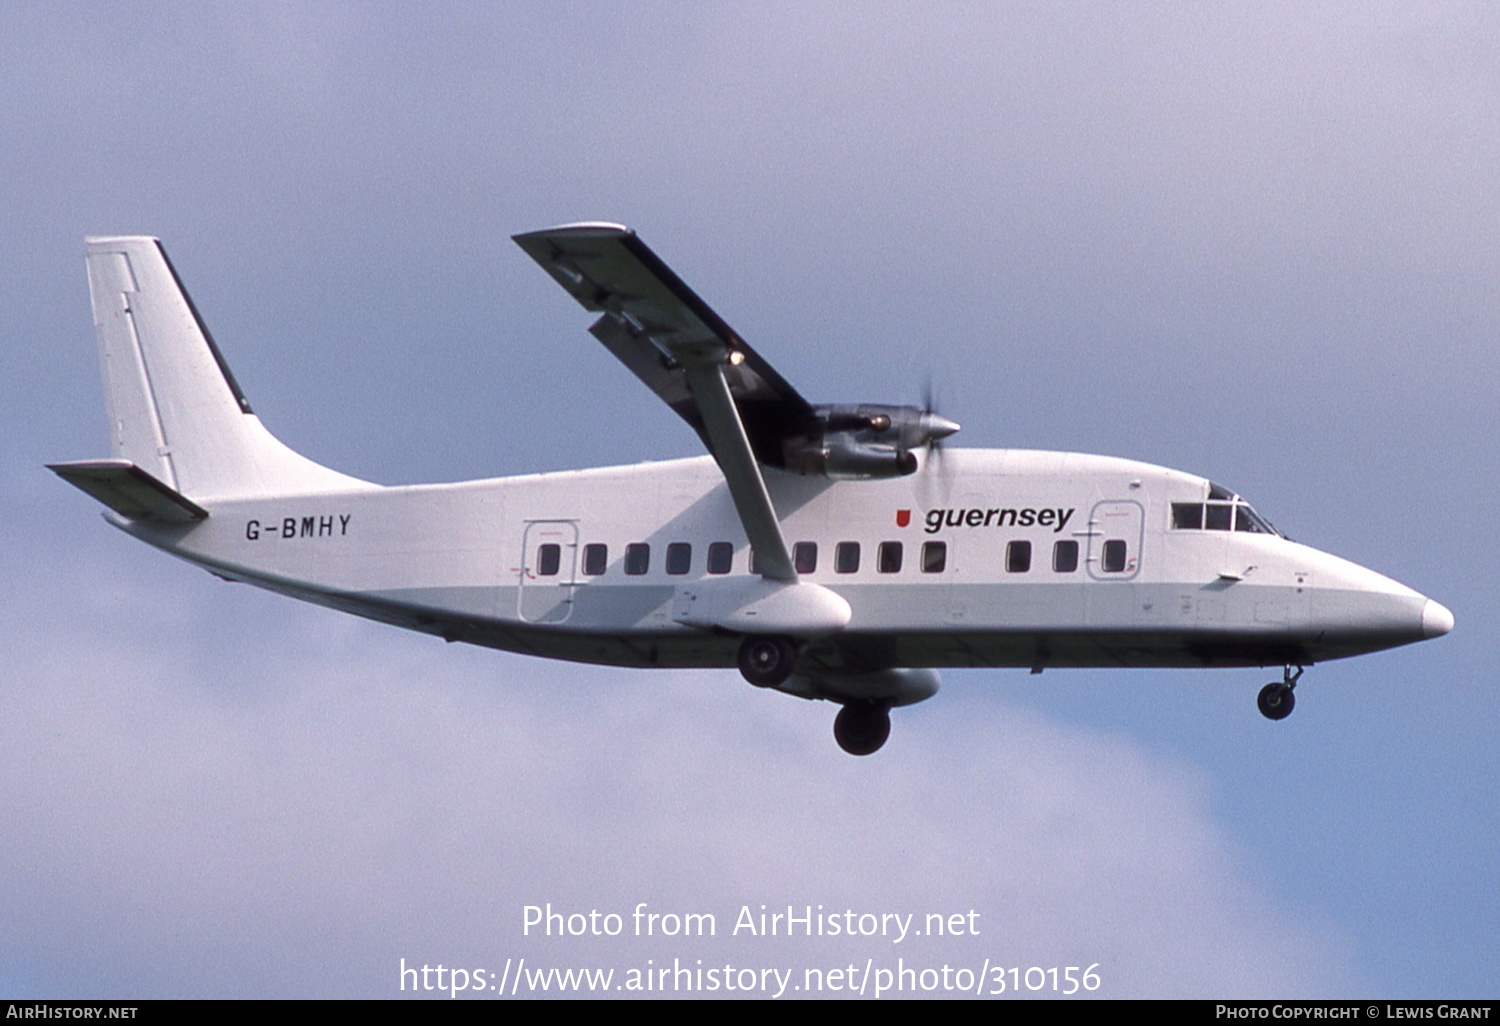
(1218, 516)
(1246, 519)
(1187, 516)
(1224, 511)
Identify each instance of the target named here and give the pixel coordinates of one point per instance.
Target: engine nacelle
(843, 457)
(864, 442)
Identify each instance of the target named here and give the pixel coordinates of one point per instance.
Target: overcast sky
(1257, 242)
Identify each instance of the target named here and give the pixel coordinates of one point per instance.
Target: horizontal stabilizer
(129, 491)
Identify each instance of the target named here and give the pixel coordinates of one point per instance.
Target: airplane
(831, 552)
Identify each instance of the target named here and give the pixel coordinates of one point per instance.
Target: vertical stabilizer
(175, 410)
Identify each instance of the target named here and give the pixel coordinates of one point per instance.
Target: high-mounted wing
(653, 323)
(687, 355)
(650, 317)
(744, 411)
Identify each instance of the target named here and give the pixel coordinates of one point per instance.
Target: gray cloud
(207, 793)
(1251, 242)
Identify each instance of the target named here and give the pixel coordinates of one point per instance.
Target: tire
(1276, 701)
(767, 662)
(862, 727)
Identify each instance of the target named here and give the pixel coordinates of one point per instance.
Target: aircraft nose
(1436, 620)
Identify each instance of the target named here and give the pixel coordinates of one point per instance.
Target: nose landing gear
(1276, 700)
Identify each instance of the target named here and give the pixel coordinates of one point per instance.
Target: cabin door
(1115, 540)
(549, 564)
(1114, 560)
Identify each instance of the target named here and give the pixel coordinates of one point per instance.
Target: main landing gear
(862, 727)
(1276, 700)
(767, 662)
(864, 723)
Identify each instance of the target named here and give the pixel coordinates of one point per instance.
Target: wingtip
(106, 240)
(581, 229)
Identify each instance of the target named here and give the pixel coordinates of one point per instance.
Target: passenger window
(1218, 516)
(595, 559)
(1187, 516)
(1065, 557)
(679, 558)
(934, 557)
(846, 558)
(805, 557)
(889, 558)
(1114, 556)
(548, 559)
(637, 558)
(720, 558)
(1018, 557)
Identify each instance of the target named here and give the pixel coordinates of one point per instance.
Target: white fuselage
(1125, 587)
(827, 551)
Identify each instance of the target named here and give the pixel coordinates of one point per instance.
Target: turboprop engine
(866, 441)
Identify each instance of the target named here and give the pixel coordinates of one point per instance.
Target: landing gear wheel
(1276, 700)
(862, 727)
(767, 662)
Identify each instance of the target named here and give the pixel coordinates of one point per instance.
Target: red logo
(903, 517)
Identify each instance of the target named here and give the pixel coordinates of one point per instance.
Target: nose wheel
(1276, 700)
(862, 727)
